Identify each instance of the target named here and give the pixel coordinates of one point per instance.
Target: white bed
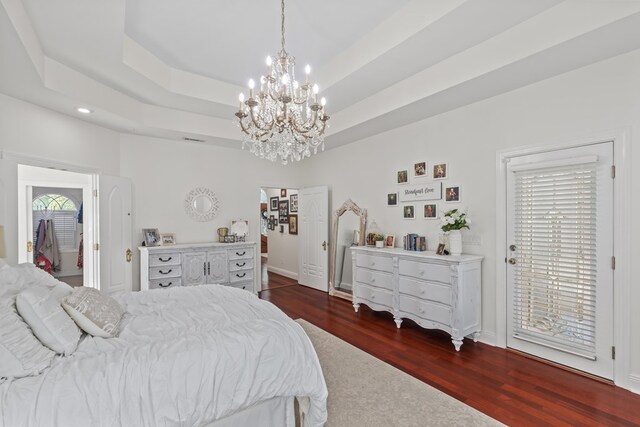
(204, 355)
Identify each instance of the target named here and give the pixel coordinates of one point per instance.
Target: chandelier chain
(282, 26)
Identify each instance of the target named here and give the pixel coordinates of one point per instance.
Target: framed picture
(283, 192)
(151, 236)
(168, 239)
(452, 194)
(440, 171)
(431, 211)
(293, 203)
(274, 203)
(392, 199)
(420, 169)
(403, 177)
(293, 224)
(409, 212)
(371, 239)
(440, 250)
(389, 241)
(283, 211)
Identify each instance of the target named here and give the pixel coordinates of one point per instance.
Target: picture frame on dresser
(151, 237)
(167, 239)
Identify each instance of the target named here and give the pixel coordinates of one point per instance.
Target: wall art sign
(431, 191)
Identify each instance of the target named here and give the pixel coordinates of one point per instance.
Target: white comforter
(184, 356)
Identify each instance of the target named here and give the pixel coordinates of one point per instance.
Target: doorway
(559, 272)
(279, 237)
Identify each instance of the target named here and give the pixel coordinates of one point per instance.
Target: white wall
(600, 97)
(38, 136)
(283, 247)
(163, 172)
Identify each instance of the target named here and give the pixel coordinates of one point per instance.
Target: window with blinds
(554, 296)
(63, 212)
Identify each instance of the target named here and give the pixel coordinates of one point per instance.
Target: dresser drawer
(156, 260)
(241, 276)
(426, 310)
(425, 290)
(165, 271)
(377, 296)
(170, 282)
(375, 262)
(244, 253)
(247, 286)
(375, 278)
(241, 264)
(420, 270)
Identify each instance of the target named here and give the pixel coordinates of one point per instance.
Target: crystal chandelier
(284, 119)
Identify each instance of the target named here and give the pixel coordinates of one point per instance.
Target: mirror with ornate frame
(348, 230)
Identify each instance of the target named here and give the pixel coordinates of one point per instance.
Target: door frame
(621, 242)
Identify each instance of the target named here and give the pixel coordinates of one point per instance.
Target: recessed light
(83, 110)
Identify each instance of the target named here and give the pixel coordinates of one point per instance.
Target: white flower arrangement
(454, 220)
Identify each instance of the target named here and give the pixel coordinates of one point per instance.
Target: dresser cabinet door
(217, 267)
(194, 268)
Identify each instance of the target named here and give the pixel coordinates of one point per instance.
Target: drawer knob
(240, 254)
(165, 286)
(241, 265)
(241, 275)
(164, 260)
(165, 272)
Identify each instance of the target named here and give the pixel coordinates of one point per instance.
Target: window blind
(64, 225)
(555, 274)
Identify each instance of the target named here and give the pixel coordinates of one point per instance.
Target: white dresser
(435, 291)
(231, 264)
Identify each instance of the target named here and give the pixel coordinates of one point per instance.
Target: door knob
(512, 261)
(129, 255)
(324, 245)
(512, 248)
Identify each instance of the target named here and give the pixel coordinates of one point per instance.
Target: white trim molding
(282, 272)
(622, 243)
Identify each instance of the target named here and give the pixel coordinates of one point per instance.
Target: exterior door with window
(313, 211)
(559, 258)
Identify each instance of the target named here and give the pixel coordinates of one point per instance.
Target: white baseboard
(283, 272)
(633, 383)
(488, 337)
(68, 273)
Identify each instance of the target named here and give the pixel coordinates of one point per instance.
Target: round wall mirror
(202, 204)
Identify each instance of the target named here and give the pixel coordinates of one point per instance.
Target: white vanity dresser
(435, 291)
(230, 264)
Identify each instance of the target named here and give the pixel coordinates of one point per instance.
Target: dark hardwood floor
(505, 385)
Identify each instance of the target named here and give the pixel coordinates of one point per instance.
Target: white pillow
(40, 308)
(95, 312)
(21, 354)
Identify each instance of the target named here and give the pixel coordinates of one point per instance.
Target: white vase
(455, 242)
(379, 243)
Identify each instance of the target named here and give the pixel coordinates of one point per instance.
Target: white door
(25, 230)
(194, 268)
(313, 212)
(115, 249)
(560, 248)
(217, 267)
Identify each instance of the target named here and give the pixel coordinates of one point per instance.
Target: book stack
(413, 242)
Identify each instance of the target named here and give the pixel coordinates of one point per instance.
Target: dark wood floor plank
(505, 385)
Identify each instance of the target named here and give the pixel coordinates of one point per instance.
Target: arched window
(63, 211)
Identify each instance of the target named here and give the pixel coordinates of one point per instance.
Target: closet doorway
(279, 239)
(56, 223)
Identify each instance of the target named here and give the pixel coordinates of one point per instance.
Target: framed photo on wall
(431, 211)
(440, 171)
(452, 194)
(409, 212)
(293, 203)
(283, 211)
(402, 177)
(283, 192)
(274, 203)
(420, 169)
(293, 224)
(392, 199)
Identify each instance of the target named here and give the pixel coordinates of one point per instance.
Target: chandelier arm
(268, 125)
(242, 126)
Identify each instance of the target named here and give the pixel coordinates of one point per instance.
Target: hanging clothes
(80, 263)
(41, 233)
(80, 214)
(50, 248)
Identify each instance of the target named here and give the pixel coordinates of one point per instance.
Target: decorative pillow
(21, 354)
(40, 308)
(96, 313)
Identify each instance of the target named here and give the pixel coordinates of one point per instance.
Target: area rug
(365, 391)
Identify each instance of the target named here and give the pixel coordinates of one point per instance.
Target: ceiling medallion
(284, 120)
